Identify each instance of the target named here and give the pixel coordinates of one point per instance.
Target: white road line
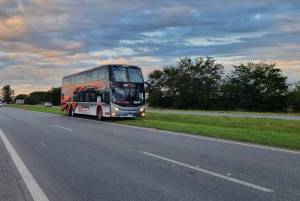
(207, 138)
(43, 146)
(68, 129)
(35, 190)
(257, 187)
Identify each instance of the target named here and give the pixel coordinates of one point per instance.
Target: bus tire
(99, 114)
(71, 112)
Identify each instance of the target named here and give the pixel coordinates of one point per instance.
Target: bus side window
(88, 76)
(74, 97)
(81, 97)
(78, 96)
(101, 74)
(106, 97)
(106, 73)
(82, 78)
(95, 75)
(86, 96)
(91, 96)
(100, 94)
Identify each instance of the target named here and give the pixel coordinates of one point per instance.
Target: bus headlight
(142, 109)
(116, 109)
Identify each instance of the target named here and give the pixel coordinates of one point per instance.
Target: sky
(43, 40)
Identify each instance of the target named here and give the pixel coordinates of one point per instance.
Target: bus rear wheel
(71, 112)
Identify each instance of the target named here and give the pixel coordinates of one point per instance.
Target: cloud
(42, 40)
(210, 41)
(12, 27)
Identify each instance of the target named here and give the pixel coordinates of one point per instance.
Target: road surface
(71, 159)
(227, 114)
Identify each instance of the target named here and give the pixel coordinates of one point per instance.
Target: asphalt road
(230, 114)
(84, 160)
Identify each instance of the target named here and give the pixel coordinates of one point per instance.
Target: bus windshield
(122, 74)
(128, 96)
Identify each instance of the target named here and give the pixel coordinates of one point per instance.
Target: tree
(256, 86)
(7, 94)
(189, 84)
(157, 95)
(55, 94)
(22, 97)
(39, 97)
(294, 98)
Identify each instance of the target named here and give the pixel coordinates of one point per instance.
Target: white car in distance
(48, 104)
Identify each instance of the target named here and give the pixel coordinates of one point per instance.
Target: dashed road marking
(68, 129)
(244, 183)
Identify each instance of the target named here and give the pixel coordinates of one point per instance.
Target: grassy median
(38, 108)
(279, 133)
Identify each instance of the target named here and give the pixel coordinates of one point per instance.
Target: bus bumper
(128, 113)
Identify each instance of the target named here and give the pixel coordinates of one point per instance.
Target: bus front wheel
(99, 115)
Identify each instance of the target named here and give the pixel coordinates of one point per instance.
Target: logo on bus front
(83, 109)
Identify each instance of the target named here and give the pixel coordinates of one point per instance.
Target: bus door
(104, 100)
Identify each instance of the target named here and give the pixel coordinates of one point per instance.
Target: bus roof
(107, 65)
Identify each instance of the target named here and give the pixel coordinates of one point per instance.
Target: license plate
(129, 115)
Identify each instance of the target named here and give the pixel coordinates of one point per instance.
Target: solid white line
(68, 129)
(35, 190)
(257, 187)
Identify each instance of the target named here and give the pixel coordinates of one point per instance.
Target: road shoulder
(12, 187)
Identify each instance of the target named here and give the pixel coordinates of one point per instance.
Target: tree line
(202, 84)
(37, 97)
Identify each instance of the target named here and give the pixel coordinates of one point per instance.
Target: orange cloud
(40, 2)
(12, 27)
(28, 88)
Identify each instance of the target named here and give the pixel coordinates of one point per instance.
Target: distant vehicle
(48, 104)
(20, 101)
(105, 91)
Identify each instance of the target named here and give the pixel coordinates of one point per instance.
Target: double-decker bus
(105, 91)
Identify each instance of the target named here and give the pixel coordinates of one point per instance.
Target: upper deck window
(127, 74)
(135, 75)
(119, 74)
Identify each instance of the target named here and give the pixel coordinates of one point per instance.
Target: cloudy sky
(43, 40)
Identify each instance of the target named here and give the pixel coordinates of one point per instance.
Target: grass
(224, 111)
(272, 132)
(38, 108)
(279, 133)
